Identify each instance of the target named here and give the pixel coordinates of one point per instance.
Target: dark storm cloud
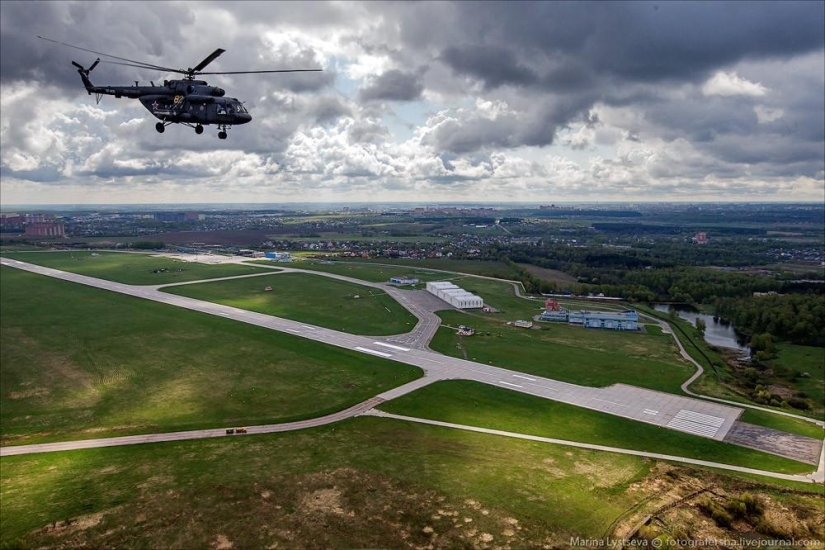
(393, 85)
(494, 65)
(133, 30)
(551, 42)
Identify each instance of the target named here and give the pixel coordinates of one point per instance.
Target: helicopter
(187, 101)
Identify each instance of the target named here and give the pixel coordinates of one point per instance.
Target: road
(192, 434)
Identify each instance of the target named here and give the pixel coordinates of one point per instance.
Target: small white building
(454, 295)
(404, 280)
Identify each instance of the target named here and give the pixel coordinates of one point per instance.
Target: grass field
(567, 353)
(133, 269)
(482, 405)
(78, 362)
(795, 362)
(313, 299)
(371, 273)
(474, 267)
(363, 483)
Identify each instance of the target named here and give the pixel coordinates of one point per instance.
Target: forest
(797, 318)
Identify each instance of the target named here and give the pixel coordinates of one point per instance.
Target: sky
(423, 102)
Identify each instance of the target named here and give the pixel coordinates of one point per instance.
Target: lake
(716, 333)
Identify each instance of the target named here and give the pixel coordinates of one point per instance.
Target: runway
(685, 414)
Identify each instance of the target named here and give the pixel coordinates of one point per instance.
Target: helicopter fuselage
(182, 101)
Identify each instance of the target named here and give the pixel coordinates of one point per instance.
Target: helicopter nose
(243, 118)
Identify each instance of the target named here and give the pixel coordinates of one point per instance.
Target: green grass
(133, 269)
(797, 360)
(394, 476)
(483, 268)
(313, 299)
(78, 362)
(793, 360)
(566, 353)
(371, 273)
(482, 405)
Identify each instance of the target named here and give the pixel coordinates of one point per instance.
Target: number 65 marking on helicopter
(213, 107)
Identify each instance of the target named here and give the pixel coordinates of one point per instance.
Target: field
(313, 299)
(372, 273)
(473, 267)
(133, 269)
(482, 405)
(78, 362)
(803, 369)
(551, 275)
(566, 353)
(366, 482)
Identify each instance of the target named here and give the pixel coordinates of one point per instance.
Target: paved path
(193, 434)
(807, 478)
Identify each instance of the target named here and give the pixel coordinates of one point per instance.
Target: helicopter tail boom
(84, 74)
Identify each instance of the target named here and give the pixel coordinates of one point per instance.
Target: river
(716, 333)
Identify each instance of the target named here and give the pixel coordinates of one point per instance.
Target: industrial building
(404, 280)
(45, 229)
(279, 256)
(611, 320)
(454, 295)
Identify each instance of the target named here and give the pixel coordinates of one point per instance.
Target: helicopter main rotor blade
(144, 67)
(280, 71)
(214, 55)
(141, 63)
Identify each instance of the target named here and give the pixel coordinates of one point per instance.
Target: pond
(718, 334)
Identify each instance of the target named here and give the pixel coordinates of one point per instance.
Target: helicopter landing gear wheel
(160, 127)
(199, 129)
(221, 135)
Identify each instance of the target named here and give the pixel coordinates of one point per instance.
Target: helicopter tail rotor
(84, 75)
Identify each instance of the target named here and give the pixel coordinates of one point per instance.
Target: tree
(700, 325)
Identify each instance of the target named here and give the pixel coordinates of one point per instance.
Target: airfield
(451, 392)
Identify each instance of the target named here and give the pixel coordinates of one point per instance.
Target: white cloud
(731, 84)
(767, 114)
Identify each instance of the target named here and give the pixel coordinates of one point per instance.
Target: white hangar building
(454, 295)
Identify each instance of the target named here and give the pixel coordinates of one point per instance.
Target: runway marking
(373, 352)
(293, 330)
(224, 314)
(525, 377)
(650, 411)
(309, 327)
(509, 384)
(696, 423)
(399, 348)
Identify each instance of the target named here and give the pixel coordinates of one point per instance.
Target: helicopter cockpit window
(239, 107)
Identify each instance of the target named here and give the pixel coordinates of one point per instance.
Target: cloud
(393, 85)
(425, 100)
(731, 84)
